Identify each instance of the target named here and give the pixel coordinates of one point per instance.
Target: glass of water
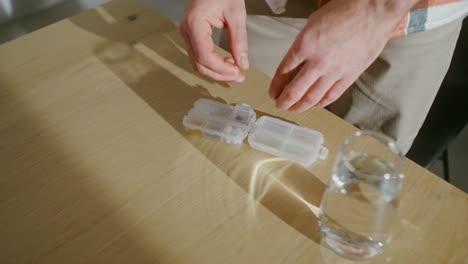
(359, 210)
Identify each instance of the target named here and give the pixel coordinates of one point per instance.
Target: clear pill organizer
(233, 123)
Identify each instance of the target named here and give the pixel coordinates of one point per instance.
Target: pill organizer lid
(287, 140)
(232, 123)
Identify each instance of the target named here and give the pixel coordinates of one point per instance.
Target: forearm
(383, 15)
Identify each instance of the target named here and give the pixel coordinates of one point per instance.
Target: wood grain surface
(96, 167)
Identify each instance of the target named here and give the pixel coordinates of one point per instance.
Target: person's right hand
(197, 28)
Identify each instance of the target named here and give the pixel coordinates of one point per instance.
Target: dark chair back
(449, 112)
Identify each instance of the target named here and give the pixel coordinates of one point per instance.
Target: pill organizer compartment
(232, 123)
(227, 123)
(287, 140)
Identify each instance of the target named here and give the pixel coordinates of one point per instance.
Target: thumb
(238, 38)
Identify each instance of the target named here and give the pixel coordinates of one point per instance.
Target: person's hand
(200, 18)
(339, 41)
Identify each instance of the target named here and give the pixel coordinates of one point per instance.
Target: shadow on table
(50, 202)
(146, 63)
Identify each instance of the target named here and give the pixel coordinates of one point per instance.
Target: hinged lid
(231, 124)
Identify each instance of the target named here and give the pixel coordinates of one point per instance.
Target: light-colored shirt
(425, 15)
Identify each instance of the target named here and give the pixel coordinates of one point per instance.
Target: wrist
(391, 11)
(398, 8)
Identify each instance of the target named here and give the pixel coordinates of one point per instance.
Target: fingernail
(244, 62)
(231, 60)
(240, 79)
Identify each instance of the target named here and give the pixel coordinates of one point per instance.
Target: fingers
(188, 47)
(288, 68)
(280, 80)
(335, 92)
(204, 50)
(296, 89)
(203, 55)
(206, 71)
(314, 94)
(238, 38)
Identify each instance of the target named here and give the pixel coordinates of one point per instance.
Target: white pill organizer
(233, 123)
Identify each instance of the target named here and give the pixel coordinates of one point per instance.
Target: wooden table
(95, 165)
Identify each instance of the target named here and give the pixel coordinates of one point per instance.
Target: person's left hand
(338, 43)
